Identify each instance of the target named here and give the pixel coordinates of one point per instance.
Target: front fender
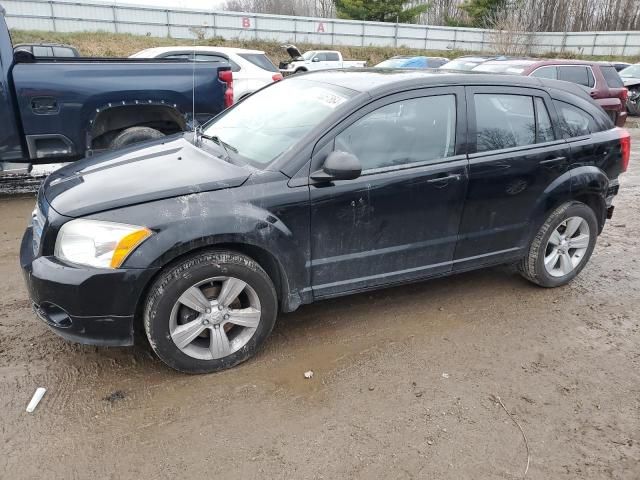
(225, 217)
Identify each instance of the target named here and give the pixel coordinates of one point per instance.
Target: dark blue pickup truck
(62, 109)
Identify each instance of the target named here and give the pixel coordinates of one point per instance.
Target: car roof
(560, 61)
(152, 52)
(376, 81)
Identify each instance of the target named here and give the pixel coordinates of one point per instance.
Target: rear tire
(210, 311)
(134, 135)
(562, 246)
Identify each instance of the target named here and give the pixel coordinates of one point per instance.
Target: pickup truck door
(399, 220)
(10, 143)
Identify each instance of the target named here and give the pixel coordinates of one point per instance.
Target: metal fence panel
(71, 16)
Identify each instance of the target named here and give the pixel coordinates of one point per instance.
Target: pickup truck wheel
(134, 135)
(210, 312)
(562, 246)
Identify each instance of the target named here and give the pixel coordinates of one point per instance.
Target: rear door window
(574, 122)
(332, 57)
(612, 77)
(575, 74)
(504, 121)
(260, 60)
(544, 132)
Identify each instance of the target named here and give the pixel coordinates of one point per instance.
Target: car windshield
(271, 121)
(308, 55)
(632, 71)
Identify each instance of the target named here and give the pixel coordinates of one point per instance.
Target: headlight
(98, 244)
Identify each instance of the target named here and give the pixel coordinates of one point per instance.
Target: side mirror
(23, 56)
(338, 166)
(316, 59)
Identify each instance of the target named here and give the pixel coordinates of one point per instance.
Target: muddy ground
(404, 386)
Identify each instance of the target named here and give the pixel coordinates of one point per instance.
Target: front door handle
(445, 179)
(44, 105)
(551, 161)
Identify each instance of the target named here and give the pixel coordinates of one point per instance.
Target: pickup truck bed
(61, 109)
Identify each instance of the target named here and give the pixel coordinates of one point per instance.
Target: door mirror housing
(316, 59)
(339, 166)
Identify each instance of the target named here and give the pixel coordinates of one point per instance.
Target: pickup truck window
(40, 51)
(410, 131)
(272, 120)
(332, 57)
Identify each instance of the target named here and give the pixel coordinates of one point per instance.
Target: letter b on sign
(246, 22)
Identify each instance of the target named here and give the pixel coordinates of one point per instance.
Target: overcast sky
(196, 4)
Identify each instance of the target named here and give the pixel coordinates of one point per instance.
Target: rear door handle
(551, 161)
(446, 178)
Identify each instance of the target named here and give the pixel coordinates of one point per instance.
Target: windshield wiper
(225, 146)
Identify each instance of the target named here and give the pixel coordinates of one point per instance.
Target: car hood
(630, 81)
(293, 52)
(162, 168)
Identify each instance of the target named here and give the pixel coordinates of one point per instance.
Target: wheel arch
(115, 118)
(263, 257)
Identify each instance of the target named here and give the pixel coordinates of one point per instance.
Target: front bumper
(85, 305)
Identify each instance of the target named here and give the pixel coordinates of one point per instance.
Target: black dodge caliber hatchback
(322, 185)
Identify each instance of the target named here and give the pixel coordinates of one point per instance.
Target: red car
(601, 79)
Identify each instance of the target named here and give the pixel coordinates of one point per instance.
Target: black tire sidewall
(574, 210)
(165, 292)
(134, 135)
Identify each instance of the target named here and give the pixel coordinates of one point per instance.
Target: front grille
(37, 225)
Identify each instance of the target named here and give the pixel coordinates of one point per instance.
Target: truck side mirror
(23, 56)
(316, 59)
(338, 166)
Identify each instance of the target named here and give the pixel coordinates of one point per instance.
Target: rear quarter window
(574, 122)
(612, 77)
(259, 60)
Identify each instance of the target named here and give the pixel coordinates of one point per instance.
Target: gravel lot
(405, 383)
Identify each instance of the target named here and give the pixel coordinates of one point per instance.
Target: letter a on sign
(246, 22)
(320, 28)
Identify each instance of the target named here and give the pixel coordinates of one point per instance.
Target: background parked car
(48, 49)
(619, 66)
(600, 79)
(252, 69)
(316, 60)
(408, 61)
(631, 78)
(467, 62)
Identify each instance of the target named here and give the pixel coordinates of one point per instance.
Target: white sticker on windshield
(330, 99)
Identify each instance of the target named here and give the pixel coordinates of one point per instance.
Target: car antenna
(193, 90)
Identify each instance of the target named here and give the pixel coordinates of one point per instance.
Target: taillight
(625, 148)
(227, 77)
(276, 77)
(624, 96)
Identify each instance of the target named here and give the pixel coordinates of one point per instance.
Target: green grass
(104, 44)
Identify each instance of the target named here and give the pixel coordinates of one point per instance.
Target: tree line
(529, 15)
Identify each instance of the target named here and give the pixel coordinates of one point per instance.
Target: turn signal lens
(127, 245)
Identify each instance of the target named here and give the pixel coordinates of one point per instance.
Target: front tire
(562, 246)
(210, 312)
